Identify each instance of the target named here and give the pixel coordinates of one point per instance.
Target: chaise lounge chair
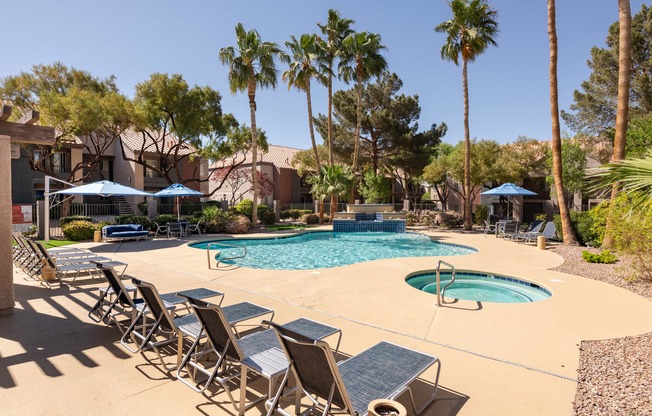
(384, 371)
(534, 230)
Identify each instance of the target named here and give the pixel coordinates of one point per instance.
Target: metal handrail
(208, 252)
(440, 295)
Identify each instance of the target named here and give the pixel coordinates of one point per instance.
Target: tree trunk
(251, 88)
(311, 127)
(468, 204)
(358, 124)
(330, 112)
(569, 234)
(624, 80)
(333, 206)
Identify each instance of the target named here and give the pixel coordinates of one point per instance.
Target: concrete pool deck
(497, 359)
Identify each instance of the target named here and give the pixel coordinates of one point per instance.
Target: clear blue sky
(509, 89)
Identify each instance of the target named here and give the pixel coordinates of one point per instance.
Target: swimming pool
(480, 286)
(320, 250)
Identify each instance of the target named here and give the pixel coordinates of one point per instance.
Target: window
(149, 172)
(58, 162)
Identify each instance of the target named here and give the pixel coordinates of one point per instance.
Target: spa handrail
(208, 252)
(440, 295)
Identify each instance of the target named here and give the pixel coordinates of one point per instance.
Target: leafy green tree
(173, 120)
(304, 67)
(82, 108)
(332, 181)
(361, 60)
(251, 65)
(573, 169)
(472, 29)
(594, 107)
(304, 160)
(639, 137)
(334, 30)
(375, 189)
(447, 169)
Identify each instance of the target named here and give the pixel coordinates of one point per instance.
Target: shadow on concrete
(51, 331)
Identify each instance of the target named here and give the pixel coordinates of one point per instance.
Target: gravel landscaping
(615, 376)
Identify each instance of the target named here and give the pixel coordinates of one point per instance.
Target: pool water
(320, 250)
(481, 287)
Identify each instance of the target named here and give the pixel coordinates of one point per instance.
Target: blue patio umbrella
(508, 189)
(103, 188)
(177, 190)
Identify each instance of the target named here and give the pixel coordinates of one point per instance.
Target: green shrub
(163, 219)
(197, 214)
(310, 219)
(605, 257)
(540, 217)
(101, 224)
(134, 219)
(588, 226)
(481, 214)
(143, 206)
(286, 214)
(31, 232)
(67, 220)
(79, 230)
(449, 219)
(303, 212)
(632, 233)
(268, 218)
(237, 224)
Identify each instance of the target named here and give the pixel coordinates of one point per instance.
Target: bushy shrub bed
(481, 214)
(134, 219)
(268, 218)
(605, 257)
(237, 224)
(310, 219)
(79, 230)
(449, 219)
(162, 220)
(67, 220)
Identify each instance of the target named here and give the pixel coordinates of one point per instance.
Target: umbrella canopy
(103, 188)
(508, 189)
(176, 190)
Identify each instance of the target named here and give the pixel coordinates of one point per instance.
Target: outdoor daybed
(123, 232)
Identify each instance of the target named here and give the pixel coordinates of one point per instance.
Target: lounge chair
(507, 229)
(534, 230)
(162, 229)
(384, 371)
(175, 229)
(115, 296)
(163, 328)
(194, 228)
(549, 231)
(489, 228)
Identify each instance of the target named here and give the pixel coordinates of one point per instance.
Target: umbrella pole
(178, 210)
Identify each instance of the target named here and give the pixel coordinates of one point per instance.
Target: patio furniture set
(294, 358)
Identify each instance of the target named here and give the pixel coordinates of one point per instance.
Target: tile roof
(279, 156)
(134, 141)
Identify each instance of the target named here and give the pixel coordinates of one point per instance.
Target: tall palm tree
(361, 60)
(331, 181)
(470, 32)
(567, 229)
(335, 30)
(622, 110)
(251, 64)
(303, 68)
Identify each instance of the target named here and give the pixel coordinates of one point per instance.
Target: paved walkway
(497, 359)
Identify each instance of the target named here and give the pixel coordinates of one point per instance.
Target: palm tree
(331, 181)
(305, 66)
(567, 229)
(624, 80)
(470, 32)
(251, 64)
(361, 60)
(633, 175)
(335, 30)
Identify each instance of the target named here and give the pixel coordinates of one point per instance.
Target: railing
(440, 295)
(208, 252)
